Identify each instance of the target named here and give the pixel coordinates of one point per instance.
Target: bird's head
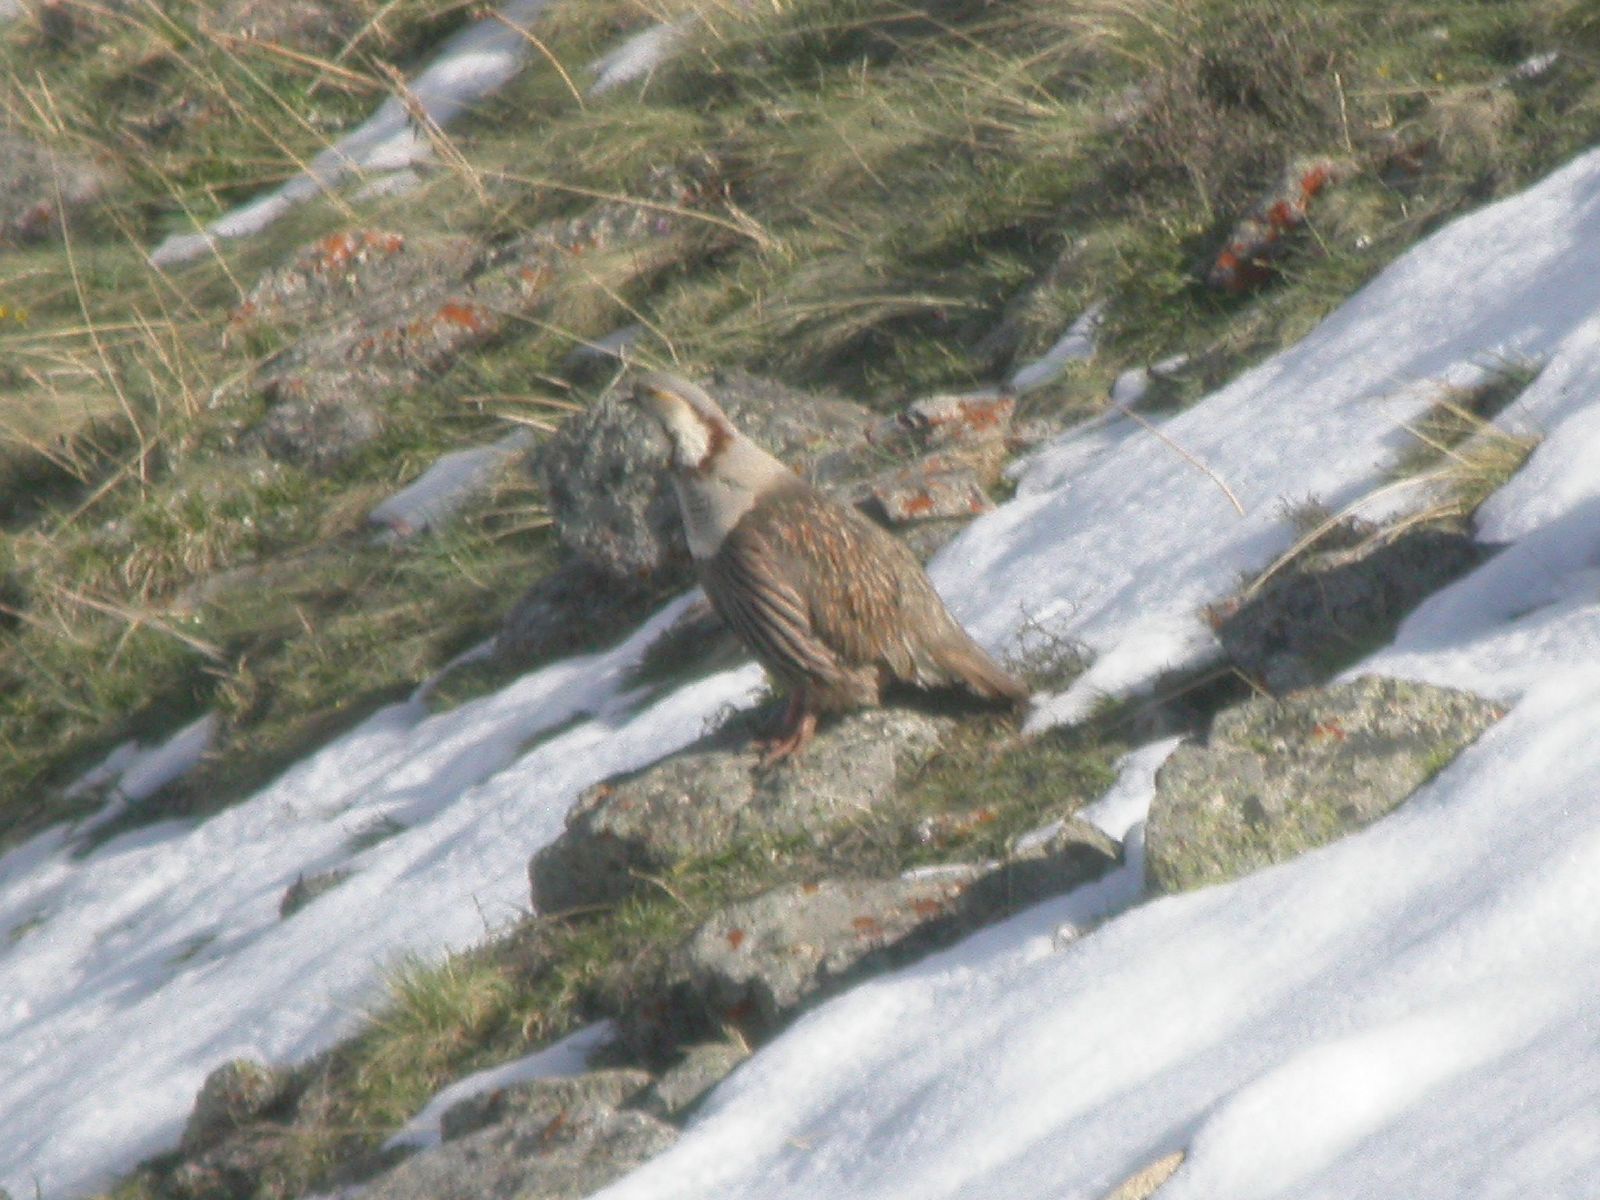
(697, 428)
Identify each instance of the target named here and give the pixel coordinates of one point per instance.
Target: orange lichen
(1246, 261)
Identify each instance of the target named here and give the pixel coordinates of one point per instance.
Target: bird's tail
(970, 666)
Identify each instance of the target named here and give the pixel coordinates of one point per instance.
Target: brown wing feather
(825, 597)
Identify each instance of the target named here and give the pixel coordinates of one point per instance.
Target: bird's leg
(798, 726)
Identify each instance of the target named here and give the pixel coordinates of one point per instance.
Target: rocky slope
(269, 493)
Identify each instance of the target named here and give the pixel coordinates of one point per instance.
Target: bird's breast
(710, 508)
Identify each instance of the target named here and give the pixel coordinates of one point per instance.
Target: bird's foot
(798, 728)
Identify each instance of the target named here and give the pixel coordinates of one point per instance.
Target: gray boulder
(753, 963)
(553, 1139)
(613, 1088)
(612, 504)
(622, 831)
(1279, 777)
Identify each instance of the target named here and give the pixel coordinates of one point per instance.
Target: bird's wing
(856, 582)
(752, 582)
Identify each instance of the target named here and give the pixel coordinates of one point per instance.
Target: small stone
(307, 888)
(232, 1096)
(918, 495)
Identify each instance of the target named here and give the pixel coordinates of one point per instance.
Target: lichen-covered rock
(1339, 603)
(754, 962)
(758, 960)
(611, 501)
(553, 1140)
(1279, 777)
(232, 1096)
(622, 831)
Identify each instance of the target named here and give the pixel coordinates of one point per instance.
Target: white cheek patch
(691, 440)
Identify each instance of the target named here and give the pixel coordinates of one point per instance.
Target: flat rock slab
(698, 801)
(1279, 777)
(756, 962)
(554, 1139)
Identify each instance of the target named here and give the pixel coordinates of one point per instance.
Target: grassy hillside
(884, 198)
(878, 197)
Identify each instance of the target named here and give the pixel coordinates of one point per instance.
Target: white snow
(471, 65)
(453, 481)
(638, 55)
(131, 773)
(1077, 344)
(1407, 1012)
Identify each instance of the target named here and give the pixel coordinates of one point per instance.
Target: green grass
(880, 198)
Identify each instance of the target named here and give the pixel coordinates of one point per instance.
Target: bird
(833, 606)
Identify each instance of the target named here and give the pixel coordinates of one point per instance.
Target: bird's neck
(714, 497)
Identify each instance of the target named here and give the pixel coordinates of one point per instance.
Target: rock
(1257, 243)
(554, 1139)
(368, 313)
(613, 505)
(753, 963)
(1073, 853)
(1278, 777)
(320, 424)
(39, 184)
(322, 283)
(307, 888)
(682, 1085)
(233, 1095)
(573, 608)
(698, 643)
(612, 1088)
(232, 1170)
(919, 494)
(697, 801)
(1325, 611)
(756, 962)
